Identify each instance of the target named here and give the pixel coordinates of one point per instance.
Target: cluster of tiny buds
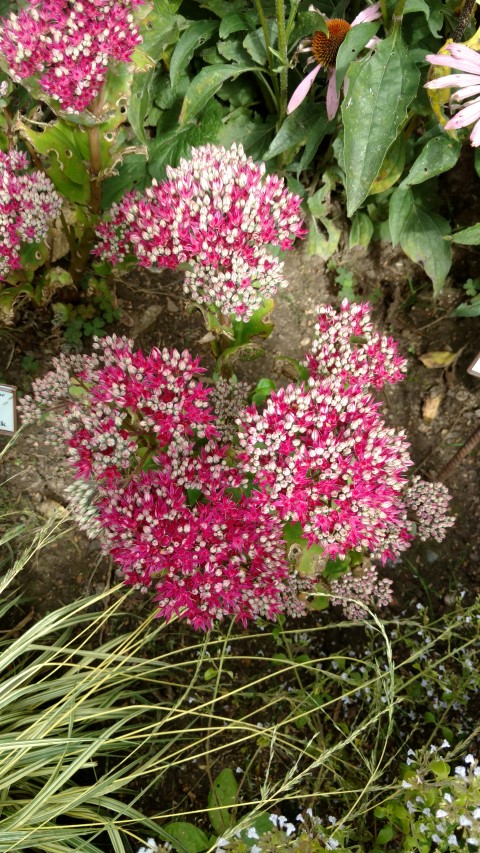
(228, 398)
(28, 206)
(68, 46)
(429, 504)
(361, 589)
(217, 212)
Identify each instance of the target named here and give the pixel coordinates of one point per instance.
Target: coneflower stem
(282, 49)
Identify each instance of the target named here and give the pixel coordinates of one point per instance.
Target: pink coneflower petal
(369, 14)
(464, 117)
(333, 97)
(466, 92)
(302, 90)
(465, 60)
(453, 80)
(475, 135)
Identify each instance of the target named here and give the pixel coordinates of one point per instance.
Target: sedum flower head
(345, 343)
(117, 405)
(429, 504)
(321, 455)
(68, 46)
(366, 589)
(28, 205)
(218, 212)
(204, 561)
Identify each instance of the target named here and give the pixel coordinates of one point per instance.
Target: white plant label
(474, 368)
(8, 409)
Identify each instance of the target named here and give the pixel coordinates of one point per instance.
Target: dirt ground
(439, 409)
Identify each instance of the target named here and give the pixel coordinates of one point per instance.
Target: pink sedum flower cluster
(28, 205)
(69, 45)
(320, 452)
(345, 343)
(322, 455)
(174, 528)
(217, 212)
(189, 489)
(207, 561)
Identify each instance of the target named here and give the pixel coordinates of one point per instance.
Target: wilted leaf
(431, 405)
(440, 358)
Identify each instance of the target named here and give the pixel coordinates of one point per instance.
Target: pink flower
(321, 455)
(69, 46)
(346, 343)
(125, 404)
(467, 83)
(219, 213)
(324, 51)
(28, 205)
(208, 561)
(320, 452)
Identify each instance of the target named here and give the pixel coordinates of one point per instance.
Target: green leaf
(440, 768)
(421, 235)
(392, 167)
(191, 839)
(317, 131)
(439, 155)
(223, 793)
(197, 33)
(235, 22)
(381, 87)
(307, 23)
(204, 86)
(468, 236)
(160, 28)
(319, 207)
(167, 148)
(468, 309)
(254, 43)
(254, 133)
(355, 40)
(361, 231)
(263, 389)
(140, 102)
(401, 206)
(295, 129)
(131, 174)
(257, 327)
(386, 834)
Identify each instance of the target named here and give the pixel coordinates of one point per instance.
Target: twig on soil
(460, 455)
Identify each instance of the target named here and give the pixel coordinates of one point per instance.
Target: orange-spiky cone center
(325, 48)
